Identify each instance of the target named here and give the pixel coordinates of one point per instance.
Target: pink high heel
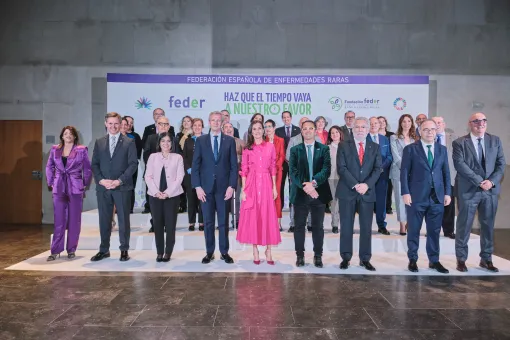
(270, 262)
(257, 262)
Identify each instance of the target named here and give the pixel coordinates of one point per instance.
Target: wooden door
(20, 160)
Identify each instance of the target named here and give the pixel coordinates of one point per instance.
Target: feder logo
(143, 103)
(185, 103)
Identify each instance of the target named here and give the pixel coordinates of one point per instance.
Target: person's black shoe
(450, 235)
(383, 231)
(367, 265)
(489, 266)
(291, 230)
(191, 228)
(389, 212)
(201, 228)
(159, 258)
(181, 210)
(412, 266)
(300, 261)
(461, 266)
(439, 267)
(151, 230)
(146, 211)
(317, 261)
(166, 257)
(124, 256)
(131, 212)
(335, 230)
(227, 258)
(344, 264)
(327, 210)
(99, 256)
(208, 258)
(309, 228)
(281, 229)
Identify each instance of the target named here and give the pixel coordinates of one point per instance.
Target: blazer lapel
(117, 146)
(71, 157)
(422, 153)
(58, 158)
(208, 145)
(437, 153)
(354, 150)
(469, 144)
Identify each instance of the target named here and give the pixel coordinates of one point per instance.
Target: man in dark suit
(309, 170)
(113, 163)
(349, 118)
(359, 167)
(148, 131)
(139, 147)
(420, 118)
(381, 187)
(287, 131)
(480, 163)
(214, 176)
(426, 190)
(226, 119)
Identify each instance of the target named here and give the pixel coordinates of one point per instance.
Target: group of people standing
(348, 169)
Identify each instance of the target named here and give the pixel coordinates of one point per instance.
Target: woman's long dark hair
(412, 130)
(251, 139)
(255, 115)
(336, 127)
(73, 131)
(161, 136)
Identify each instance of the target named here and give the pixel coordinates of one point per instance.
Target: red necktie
(361, 153)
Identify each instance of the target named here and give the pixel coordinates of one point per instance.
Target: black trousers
(389, 195)
(449, 217)
(365, 210)
(105, 202)
(316, 208)
(285, 172)
(164, 214)
(194, 206)
(135, 176)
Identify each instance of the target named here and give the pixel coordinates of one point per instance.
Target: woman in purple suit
(68, 172)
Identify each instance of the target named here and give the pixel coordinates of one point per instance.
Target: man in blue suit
(426, 189)
(381, 187)
(214, 176)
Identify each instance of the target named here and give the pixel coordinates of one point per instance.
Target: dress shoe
(146, 211)
(124, 256)
(389, 212)
(71, 255)
(327, 210)
(383, 231)
(208, 258)
(300, 261)
(191, 228)
(99, 256)
(201, 228)
(309, 228)
(166, 257)
(403, 234)
(461, 266)
(439, 267)
(412, 266)
(335, 230)
(159, 258)
(291, 229)
(281, 229)
(450, 235)
(151, 230)
(367, 265)
(227, 258)
(489, 266)
(52, 257)
(317, 261)
(344, 264)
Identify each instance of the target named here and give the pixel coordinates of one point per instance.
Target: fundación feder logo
(336, 103)
(400, 104)
(143, 103)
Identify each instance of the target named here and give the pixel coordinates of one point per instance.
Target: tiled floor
(46, 305)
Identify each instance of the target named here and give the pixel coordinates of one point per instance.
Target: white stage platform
(389, 253)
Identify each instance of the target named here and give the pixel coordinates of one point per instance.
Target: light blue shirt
(212, 141)
(475, 143)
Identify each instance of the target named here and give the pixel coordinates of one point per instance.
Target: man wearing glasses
(349, 118)
(480, 163)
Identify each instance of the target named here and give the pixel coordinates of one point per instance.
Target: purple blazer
(75, 176)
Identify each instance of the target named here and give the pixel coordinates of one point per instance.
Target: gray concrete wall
(55, 53)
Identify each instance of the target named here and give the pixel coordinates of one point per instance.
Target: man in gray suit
(446, 138)
(480, 163)
(349, 118)
(114, 162)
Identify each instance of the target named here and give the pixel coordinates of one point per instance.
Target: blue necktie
(310, 161)
(438, 139)
(373, 139)
(481, 156)
(216, 152)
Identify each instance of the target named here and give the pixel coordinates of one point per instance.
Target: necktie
(113, 143)
(310, 161)
(374, 139)
(350, 132)
(430, 157)
(361, 153)
(163, 185)
(216, 152)
(288, 131)
(438, 139)
(481, 156)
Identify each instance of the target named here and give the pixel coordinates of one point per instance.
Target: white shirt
(212, 141)
(376, 140)
(475, 143)
(427, 149)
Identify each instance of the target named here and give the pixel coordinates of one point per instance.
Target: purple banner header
(266, 80)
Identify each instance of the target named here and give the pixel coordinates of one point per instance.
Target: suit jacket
(299, 173)
(187, 153)
(397, 148)
(151, 146)
(417, 178)
(345, 131)
(386, 156)
(470, 172)
(205, 171)
(296, 140)
(280, 132)
(72, 178)
(122, 165)
(351, 172)
(151, 130)
(174, 171)
(450, 137)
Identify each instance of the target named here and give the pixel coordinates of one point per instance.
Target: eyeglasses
(268, 126)
(350, 117)
(163, 124)
(429, 130)
(479, 121)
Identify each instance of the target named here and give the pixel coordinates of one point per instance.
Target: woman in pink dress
(258, 222)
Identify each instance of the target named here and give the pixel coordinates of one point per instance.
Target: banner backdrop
(137, 95)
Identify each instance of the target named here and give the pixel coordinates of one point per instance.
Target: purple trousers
(67, 212)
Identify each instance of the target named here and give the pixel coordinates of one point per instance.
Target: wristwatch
(314, 184)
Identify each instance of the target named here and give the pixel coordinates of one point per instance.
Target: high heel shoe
(270, 262)
(257, 262)
(71, 255)
(52, 257)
